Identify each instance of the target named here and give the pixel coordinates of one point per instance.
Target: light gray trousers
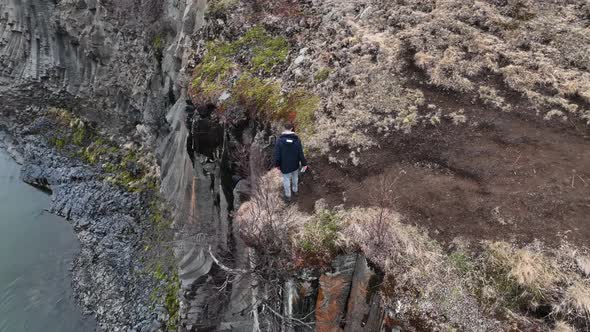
(290, 182)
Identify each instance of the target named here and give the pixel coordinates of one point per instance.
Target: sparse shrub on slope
(320, 239)
(266, 223)
(485, 289)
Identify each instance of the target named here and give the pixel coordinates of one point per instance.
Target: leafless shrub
(267, 223)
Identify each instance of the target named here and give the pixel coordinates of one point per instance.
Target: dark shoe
(295, 194)
(287, 199)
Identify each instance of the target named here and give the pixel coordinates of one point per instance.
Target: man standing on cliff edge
(288, 158)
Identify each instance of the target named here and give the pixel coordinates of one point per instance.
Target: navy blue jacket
(289, 153)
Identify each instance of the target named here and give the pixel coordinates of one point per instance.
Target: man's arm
(277, 154)
(301, 155)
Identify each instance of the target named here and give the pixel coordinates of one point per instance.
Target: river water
(36, 251)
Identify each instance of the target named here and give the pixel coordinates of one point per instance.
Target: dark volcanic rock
(107, 274)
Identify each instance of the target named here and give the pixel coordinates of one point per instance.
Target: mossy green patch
(216, 8)
(257, 48)
(267, 51)
(256, 53)
(259, 96)
(322, 74)
(79, 134)
(58, 142)
(79, 139)
(167, 294)
(158, 46)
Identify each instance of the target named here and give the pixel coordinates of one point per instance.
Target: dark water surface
(36, 251)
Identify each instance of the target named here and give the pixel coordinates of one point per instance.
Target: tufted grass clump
(516, 278)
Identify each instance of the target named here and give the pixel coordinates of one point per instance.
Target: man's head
(288, 126)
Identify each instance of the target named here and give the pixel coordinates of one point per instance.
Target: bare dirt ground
(509, 176)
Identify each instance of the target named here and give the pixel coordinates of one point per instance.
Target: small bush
(266, 223)
(320, 238)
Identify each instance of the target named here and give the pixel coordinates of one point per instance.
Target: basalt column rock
(363, 312)
(348, 299)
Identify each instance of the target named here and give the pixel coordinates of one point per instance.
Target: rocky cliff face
(116, 65)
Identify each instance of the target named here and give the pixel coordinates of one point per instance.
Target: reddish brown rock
(333, 295)
(363, 311)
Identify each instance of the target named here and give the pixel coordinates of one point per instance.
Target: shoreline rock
(108, 278)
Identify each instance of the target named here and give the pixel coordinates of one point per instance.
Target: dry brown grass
(583, 263)
(563, 327)
(515, 278)
(576, 301)
(420, 279)
(511, 55)
(460, 289)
